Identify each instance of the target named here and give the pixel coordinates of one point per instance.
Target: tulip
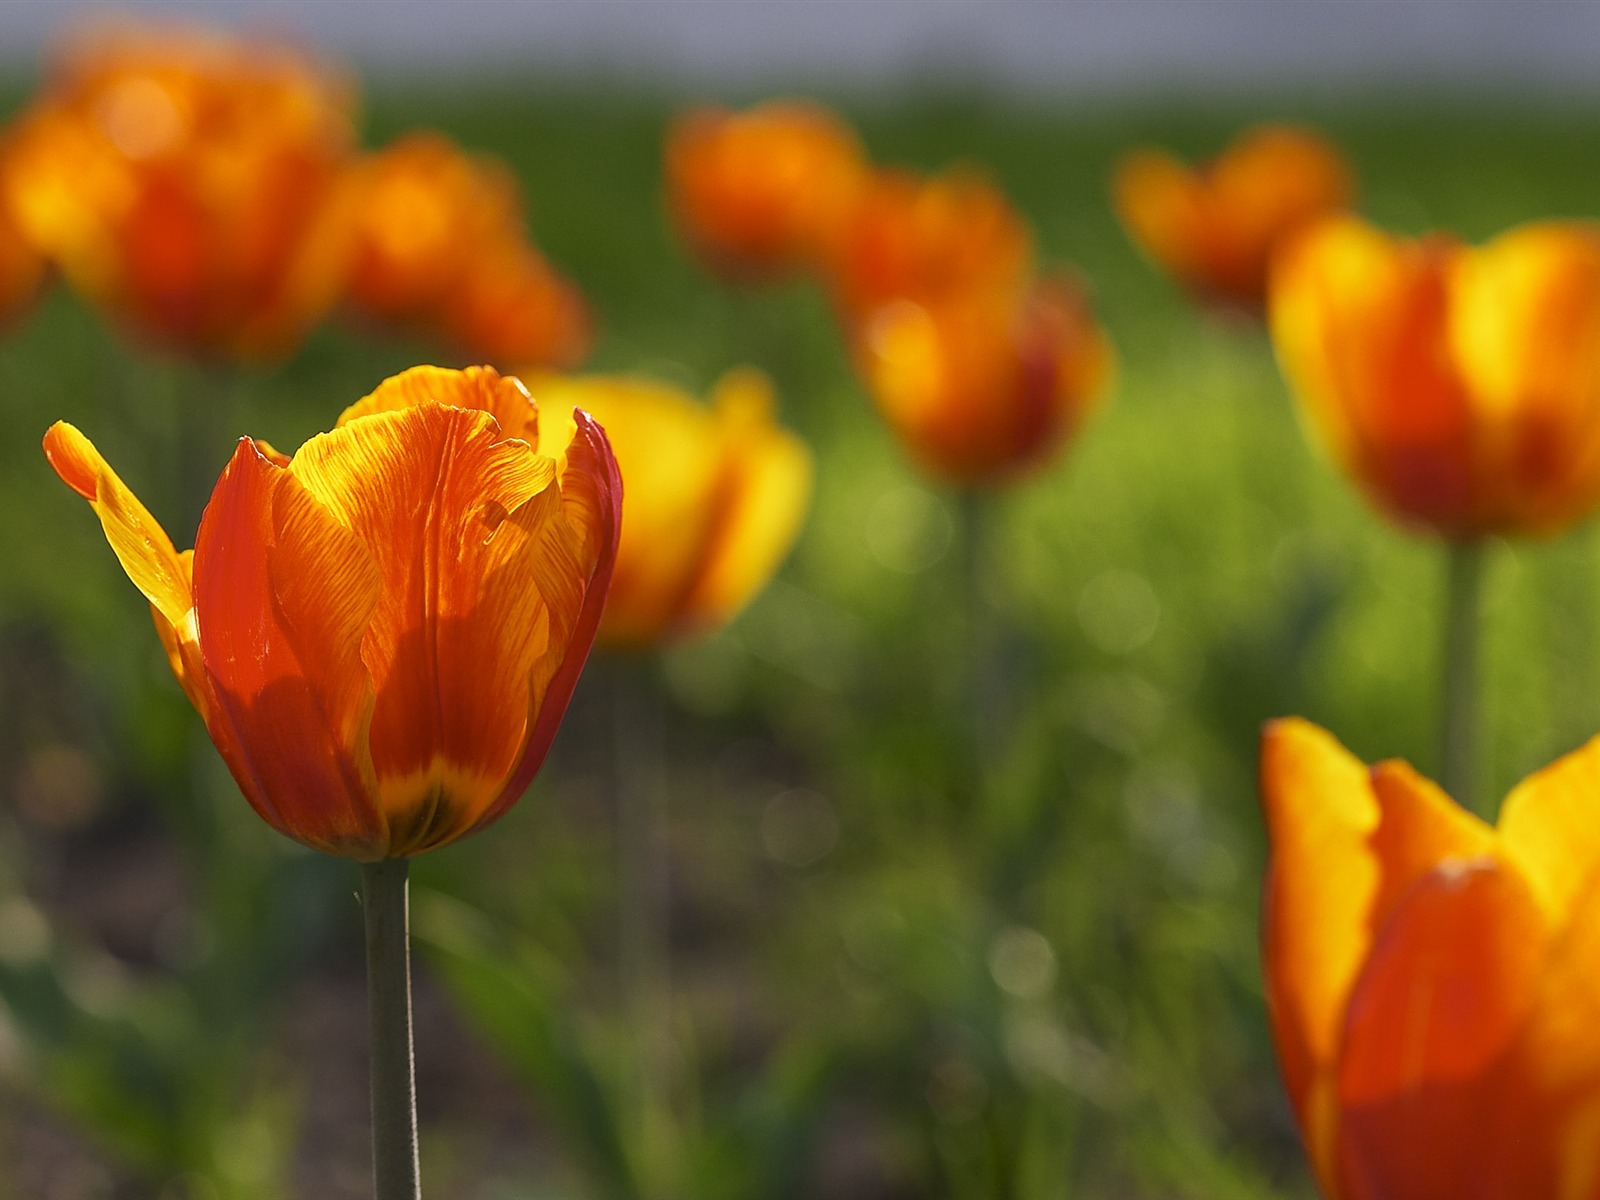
(440, 247)
(22, 268)
(383, 631)
(1434, 981)
(188, 184)
(762, 194)
(717, 497)
(1459, 386)
(980, 388)
(1216, 227)
(950, 235)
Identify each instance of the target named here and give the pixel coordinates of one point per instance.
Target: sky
(1028, 45)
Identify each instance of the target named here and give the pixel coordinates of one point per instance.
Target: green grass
(885, 984)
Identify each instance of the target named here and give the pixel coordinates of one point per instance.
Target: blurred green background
(817, 930)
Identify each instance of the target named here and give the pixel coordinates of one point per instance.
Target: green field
(877, 944)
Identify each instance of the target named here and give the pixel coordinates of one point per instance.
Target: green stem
(979, 687)
(1463, 600)
(395, 1168)
(644, 925)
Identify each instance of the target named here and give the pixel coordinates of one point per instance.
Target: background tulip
(942, 236)
(764, 193)
(22, 268)
(440, 247)
(982, 387)
(718, 496)
(1434, 981)
(382, 632)
(1215, 227)
(1459, 386)
(187, 183)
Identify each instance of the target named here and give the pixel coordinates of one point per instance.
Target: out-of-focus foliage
(891, 974)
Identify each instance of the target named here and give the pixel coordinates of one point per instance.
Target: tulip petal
(1550, 828)
(765, 493)
(591, 510)
(1419, 827)
(1321, 882)
(1359, 320)
(283, 594)
(484, 388)
(437, 496)
(1426, 1064)
(140, 544)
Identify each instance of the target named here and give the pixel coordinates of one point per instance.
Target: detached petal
(283, 594)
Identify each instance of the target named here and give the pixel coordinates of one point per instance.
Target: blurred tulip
(187, 182)
(22, 268)
(382, 632)
(440, 247)
(982, 387)
(950, 235)
(762, 194)
(716, 498)
(1459, 386)
(1434, 981)
(1215, 228)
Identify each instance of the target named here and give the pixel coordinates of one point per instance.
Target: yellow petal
(1550, 828)
(140, 544)
(483, 388)
(764, 498)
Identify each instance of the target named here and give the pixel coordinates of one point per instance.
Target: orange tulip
(931, 239)
(1459, 386)
(1215, 227)
(981, 387)
(716, 498)
(383, 631)
(762, 194)
(187, 183)
(22, 268)
(1434, 981)
(440, 247)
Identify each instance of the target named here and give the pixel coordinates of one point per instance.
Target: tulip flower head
(716, 498)
(1434, 981)
(22, 267)
(440, 247)
(762, 194)
(949, 235)
(188, 183)
(1215, 228)
(383, 631)
(1458, 386)
(980, 388)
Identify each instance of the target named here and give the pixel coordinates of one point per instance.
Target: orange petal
(437, 497)
(762, 502)
(140, 544)
(1359, 323)
(283, 593)
(1158, 200)
(1424, 1079)
(1550, 828)
(1419, 827)
(1321, 881)
(482, 388)
(591, 519)
(1525, 331)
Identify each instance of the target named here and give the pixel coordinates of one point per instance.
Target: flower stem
(1463, 599)
(385, 901)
